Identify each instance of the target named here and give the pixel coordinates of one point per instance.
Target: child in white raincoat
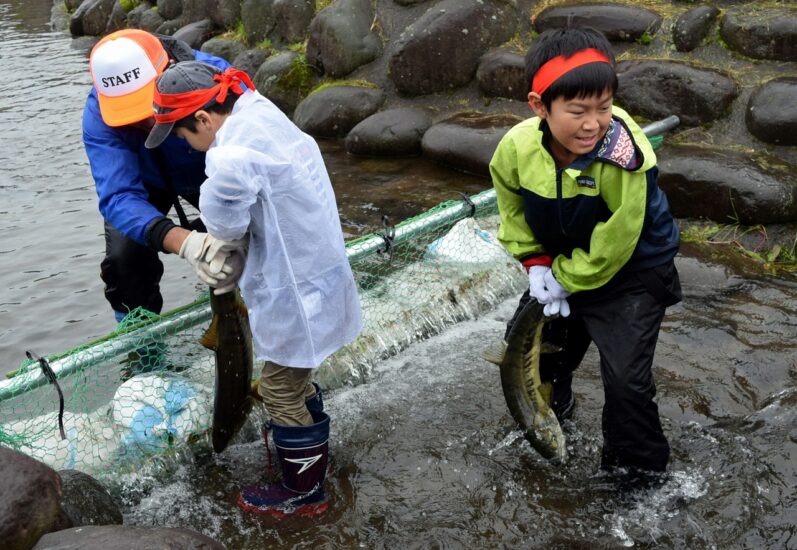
(267, 180)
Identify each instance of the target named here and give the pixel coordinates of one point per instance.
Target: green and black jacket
(602, 214)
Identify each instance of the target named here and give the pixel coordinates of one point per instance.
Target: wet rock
(30, 500)
(727, 186)
(250, 60)
(117, 19)
(467, 141)
(170, 9)
(769, 33)
(84, 43)
(341, 38)
(223, 47)
(333, 111)
(503, 74)
(133, 17)
(169, 27)
(86, 502)
(195, 10)
(657, 89)
(110, 537)
(283, 78)
(692, 27)
(196, 33)
(442, 48)
(59, 17)
(771, 114)
(256, 17)
(390, 133)
(151, 21)
(617, 22)
(91, 17)
(72, 5)
(225, 14)
(291, 20)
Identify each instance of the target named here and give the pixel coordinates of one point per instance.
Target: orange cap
(124, 66)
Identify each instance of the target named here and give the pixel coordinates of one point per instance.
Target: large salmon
(526, 395)
(229, 336)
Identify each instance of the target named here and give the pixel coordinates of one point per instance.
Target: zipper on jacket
(559, 198)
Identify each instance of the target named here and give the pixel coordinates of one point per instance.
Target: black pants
(132, 272)
(623, 319)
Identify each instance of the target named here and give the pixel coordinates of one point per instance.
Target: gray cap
(186, 76)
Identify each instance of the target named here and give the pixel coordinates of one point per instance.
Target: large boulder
(657, 89)
(223, 47)
(467, 141)
(86, 502)
(390, 133)
(333, 111)
(30, 500)
(768, 33)
(692, 26)
(91, 17)
(250, 60)
(503, 74)
(341, 38)
(771, 114)
(441, 49)
(225, 14)
(170, 9)
(617, 22)
(285, 79)
(197, 33)
(727, 186)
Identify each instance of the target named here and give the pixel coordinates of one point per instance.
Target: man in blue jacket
(136, 186)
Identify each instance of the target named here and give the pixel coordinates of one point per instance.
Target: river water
(425, 454)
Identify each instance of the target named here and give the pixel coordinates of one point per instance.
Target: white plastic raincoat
(267, 177)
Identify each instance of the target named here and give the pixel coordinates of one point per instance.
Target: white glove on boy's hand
(209, 256)
(235, 262)
(537, 284)
(559, 306)
(556, 290)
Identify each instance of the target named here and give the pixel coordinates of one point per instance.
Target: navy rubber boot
(302, 452)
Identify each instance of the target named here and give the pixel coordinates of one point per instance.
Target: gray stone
(223, 47)
(30, 500)
(133, 17)
(442, 48)
(84, 43)
(196, 33)
(152, 21)
(170, 9)
(59, 17)
(86, 502)
(771, 114)
(692, 26)
(72, 5)
(225, 14)
(467, 141)
(617, 22)
(256, 17)
(390, 133)
(250, 60)
(291, 20)
(727, 186)
(341, 38)
(333, 111)
(503, 74)
(762, 34)
(657, 89)
(278, 79)
(91, 17)
(111, 537)
(169, 27)
(117, 20)
(195, 10)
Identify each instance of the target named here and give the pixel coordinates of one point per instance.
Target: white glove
(235, 262)
(558, 305)
(537, 284)
(208, 256)
(556, 290)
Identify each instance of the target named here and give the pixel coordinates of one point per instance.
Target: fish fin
(210, 339)
(254, 390)
(495, 352)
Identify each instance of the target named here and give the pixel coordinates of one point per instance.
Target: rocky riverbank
(445, 79)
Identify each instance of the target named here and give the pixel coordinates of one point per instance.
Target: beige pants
(284, 390)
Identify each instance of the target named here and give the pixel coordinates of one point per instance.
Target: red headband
(554, 68)
(187, 103)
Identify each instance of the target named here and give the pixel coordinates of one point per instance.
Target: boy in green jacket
(581, 209)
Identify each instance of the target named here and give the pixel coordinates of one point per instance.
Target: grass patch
(335, 83)
(238, 33)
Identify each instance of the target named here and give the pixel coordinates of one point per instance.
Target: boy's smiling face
(576, 124)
